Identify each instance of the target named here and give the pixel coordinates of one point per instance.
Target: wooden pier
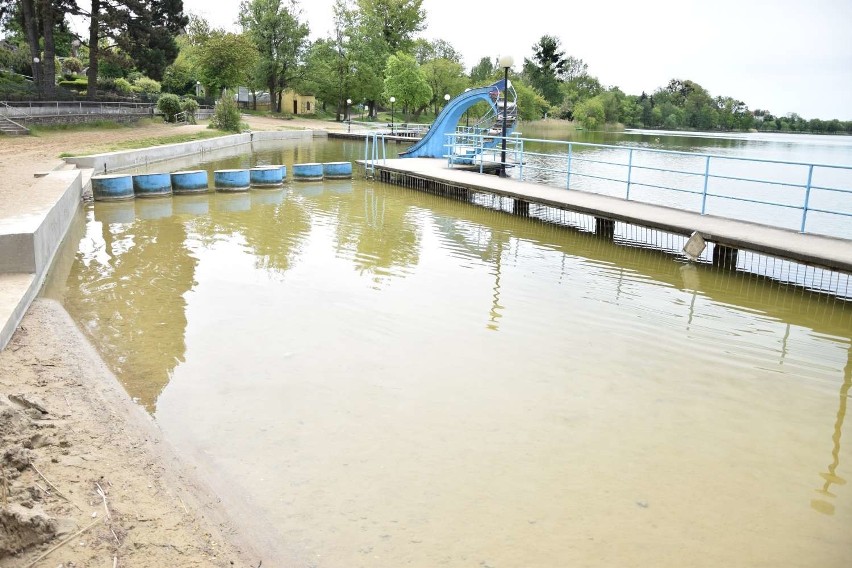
(728, 235)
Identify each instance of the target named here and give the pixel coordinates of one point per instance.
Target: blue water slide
(432, 145)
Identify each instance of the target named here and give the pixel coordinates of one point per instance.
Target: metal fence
(32, 109)
(779, 193)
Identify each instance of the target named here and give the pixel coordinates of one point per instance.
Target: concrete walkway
(816, 250)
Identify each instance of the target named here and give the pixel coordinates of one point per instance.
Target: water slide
(432, 144)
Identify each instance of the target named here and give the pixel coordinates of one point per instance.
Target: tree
(426, 51)
(225, 60)
(590, 113)
(281, 40)
(405, 81)
(145, 30)
(444, 77)
(547, 68)
(483, 72)
(394, 21)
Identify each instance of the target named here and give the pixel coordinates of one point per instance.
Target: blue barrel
(307, 172)
(266, 176)
(112, 187)
(231, 180)
(194, 181)
(152, 185)
(337, 170)
(192, 205)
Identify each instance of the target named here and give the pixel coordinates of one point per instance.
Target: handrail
(371, 151)
(467, 147)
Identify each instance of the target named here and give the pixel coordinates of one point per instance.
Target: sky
(780, 55)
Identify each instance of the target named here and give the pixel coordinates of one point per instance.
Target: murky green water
(372, 376)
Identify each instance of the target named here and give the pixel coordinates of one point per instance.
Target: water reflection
(825, 504)
(428, 370)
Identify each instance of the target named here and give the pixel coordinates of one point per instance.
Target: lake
(373, 376)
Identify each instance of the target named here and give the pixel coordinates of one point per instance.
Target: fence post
(568, 177)
(704, 193)
(521, 161)
(807, 197)
(629, 171)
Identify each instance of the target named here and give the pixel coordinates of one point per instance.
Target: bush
(190, 107)
(169, 105)
(226, 115)
(71, 65)
(76, 85)
(123, 86)
(147, 86)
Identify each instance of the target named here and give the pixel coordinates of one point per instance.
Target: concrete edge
(44, 241)
(21, 305)
(111, 161)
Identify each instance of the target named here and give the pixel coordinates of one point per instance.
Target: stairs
(12, 128)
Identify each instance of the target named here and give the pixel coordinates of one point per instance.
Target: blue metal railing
(683, 180)
(374, 146)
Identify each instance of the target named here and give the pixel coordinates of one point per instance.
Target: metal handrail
(469, 147)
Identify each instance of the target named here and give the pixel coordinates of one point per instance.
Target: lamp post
(348, 113)
(505, 62)
(392, 100)
(446, 99)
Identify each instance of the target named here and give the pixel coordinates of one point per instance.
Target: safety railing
(375, 149)
(784, 194)
(404, 129)
(32, 109)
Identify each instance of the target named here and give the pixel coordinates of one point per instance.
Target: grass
(147, 142)
(97, 124)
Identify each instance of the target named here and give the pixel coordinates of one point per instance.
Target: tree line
(372, 53)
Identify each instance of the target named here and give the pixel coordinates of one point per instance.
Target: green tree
(426, 51)
(546, 70)
(225, 60)
(405, 80)
(590, 113)
(444, 77)
(169, 105)
(281, 40)
(531, 105)
(483, 72)
(394, 21)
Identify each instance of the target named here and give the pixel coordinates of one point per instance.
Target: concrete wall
(29, 241)
(112, 161)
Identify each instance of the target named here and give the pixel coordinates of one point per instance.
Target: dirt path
(81, 465)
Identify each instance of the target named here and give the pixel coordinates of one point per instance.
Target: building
(291, 101)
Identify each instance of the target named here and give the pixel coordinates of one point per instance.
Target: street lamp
(446, 99)
(349, 126)
(506, 61)
(392, 100)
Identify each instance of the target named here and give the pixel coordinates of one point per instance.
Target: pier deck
(816, 250)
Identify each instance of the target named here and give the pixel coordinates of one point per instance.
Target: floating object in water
(337, 170)
(231, 180)
(152, 185)
(267, 176)
(307, 172)
(194, 181)
(112, 187)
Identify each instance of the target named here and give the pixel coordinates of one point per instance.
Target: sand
(87, 478)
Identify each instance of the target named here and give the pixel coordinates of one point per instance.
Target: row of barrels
(126, 186)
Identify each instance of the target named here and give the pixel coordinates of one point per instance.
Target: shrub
(226, 115)
(190, 107)
(169, 105)
(123, 86)
(71, 65)
(76, 85)
(147, 86)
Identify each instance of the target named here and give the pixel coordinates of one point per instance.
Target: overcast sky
(781, 55)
